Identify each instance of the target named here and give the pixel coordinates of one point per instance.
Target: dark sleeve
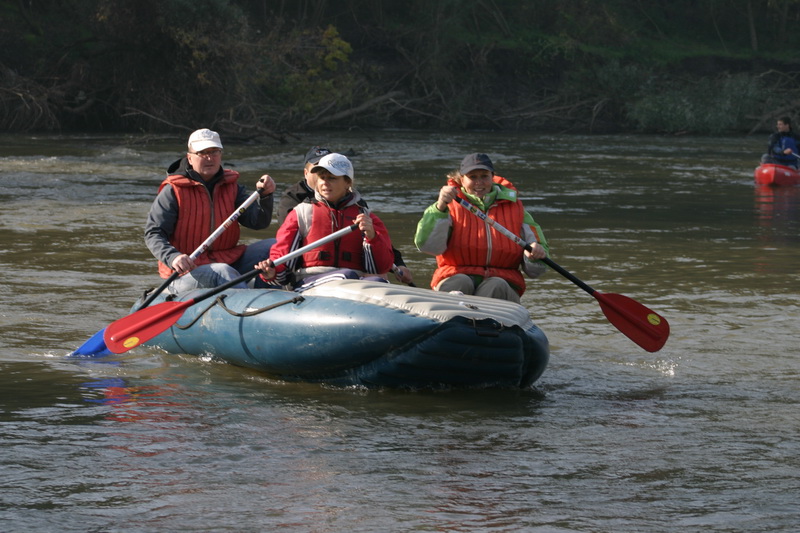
(296, 194)
(398, 257)
(286, 204)
(775, 144)
(160, 226)
(259, 214)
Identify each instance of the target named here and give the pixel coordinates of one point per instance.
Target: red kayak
(771, 174)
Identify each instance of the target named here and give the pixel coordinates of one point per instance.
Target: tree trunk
(752, 23)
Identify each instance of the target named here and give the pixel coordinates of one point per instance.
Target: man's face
(206, 162)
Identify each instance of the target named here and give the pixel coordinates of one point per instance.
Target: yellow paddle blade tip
(131, 342)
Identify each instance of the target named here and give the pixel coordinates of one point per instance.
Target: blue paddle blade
(94, 347)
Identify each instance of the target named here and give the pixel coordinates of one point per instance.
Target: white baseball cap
(204, 138)
(336, 164)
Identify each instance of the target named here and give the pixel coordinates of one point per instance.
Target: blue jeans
(215, 274)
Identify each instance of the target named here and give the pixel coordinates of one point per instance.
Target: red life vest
(345, 252)
(309, 222)
(475, 248)
(196, 220)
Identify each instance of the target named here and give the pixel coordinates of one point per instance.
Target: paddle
(643, 326)
(96, 346)
(206, 244)
(141, 326)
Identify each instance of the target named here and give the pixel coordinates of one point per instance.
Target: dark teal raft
(357, 333)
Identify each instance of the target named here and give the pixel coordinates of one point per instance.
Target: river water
(701, 436)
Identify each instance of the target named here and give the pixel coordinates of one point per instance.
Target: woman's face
(332, 188)
(477, 182)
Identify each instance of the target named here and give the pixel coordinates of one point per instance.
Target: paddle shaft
(204, 246)
(500, 229)
(244, 278)
(97, 346)
(172, 311)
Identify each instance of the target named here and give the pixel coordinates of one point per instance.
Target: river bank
(272, 70)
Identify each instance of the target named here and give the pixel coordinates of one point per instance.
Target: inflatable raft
(770, 174)
(358, 333)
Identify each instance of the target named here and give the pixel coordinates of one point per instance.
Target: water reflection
(777, 210)
(131, 403)
(776, 204)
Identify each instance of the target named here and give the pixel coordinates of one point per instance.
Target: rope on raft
(220, 301)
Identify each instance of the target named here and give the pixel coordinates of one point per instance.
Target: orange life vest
(475, 248)
(198, 216)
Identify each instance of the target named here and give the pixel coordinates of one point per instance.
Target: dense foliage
(268, 67)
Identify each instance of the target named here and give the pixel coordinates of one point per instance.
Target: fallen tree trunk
(355, 110)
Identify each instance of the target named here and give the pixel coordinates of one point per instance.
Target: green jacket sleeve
(532, 232)
(433, 231)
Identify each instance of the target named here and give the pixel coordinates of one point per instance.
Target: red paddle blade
(132, 330)
(643, 326)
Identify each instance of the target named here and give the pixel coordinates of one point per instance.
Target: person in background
(472, 257)
(782, 149)
(364, 254)
(198, 194)
(304, 189)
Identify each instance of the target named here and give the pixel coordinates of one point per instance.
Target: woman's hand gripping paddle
(643, 326)
(141, 326)
(96, 346)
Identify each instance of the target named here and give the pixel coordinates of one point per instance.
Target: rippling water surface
(701, 436)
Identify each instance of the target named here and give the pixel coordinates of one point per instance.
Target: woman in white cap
(472, 257)
(366, 254)
(304, 189)
(197, 194)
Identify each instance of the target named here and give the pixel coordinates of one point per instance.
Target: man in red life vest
(197, 195)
